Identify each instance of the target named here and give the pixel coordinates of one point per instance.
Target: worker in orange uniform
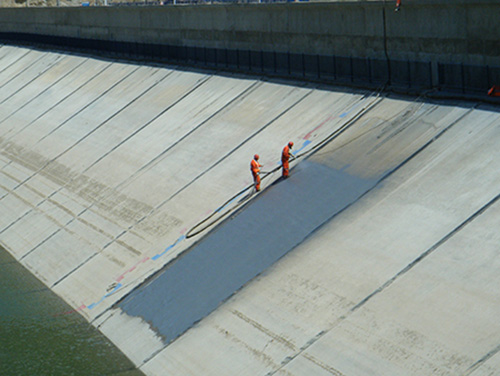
(255, 168)
(398, 6)
(285, 157)
(494, 91)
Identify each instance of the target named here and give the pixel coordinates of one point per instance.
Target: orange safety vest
(254, 167)
(285, 156)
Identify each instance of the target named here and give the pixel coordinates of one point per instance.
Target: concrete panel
(136, 156)
(133, 344)
(71, 106)
(63, 66)
(40, 105)
(14, 60)
(318, 295)
(247, 245)
(19, 241)
(148, 102)
(94, 114)
(25, 71)
(173, 122)
(57, 256)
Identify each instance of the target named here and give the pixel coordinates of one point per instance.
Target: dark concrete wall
(446, 30)
(446, 44)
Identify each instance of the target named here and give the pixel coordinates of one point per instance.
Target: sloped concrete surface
(378, 256)
(247, 245)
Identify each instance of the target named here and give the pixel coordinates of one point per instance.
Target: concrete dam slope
(378, 256)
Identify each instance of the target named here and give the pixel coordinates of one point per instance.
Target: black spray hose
(340, 130)
(192, 231)
(203, 225)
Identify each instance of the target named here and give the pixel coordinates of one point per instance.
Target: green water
(37, 339)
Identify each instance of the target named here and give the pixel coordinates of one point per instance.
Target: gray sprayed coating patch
(243, 247)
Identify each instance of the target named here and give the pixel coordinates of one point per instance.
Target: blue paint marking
(224, 260)
(344, 114)
(304, 145)
(93, 305)
(156, 257)
(119, 285)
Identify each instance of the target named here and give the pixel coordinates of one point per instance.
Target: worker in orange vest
(494, 91)
(255, 168)
(285, 157)
(398, 6)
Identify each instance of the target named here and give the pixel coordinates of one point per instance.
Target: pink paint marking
(83, 306)
(119, 279)
(318, 127)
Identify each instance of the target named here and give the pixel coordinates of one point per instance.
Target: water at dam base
(40, 336)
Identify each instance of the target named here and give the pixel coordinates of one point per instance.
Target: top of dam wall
(444, 31)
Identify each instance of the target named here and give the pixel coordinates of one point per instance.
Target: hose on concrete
(210, 220)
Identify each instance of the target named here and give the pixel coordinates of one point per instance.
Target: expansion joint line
(208, 221)
(149, 164)
(39, 74)
(429, 251)
(313, 340)
(481, 361)
(46, 89)
(50, 108)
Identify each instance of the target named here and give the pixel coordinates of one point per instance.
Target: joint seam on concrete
(386, 284)
(95, 162)
(85, 107)
(59, 102)
(47, 68)
(13, 63)
(483, 360)
(45, 90)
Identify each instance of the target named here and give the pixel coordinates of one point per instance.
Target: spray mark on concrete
(330, 117)
(82, 307)
(304, 145)
(156, 257)
(120, 278)
(183, 237)
(115, 289)
(241, 248)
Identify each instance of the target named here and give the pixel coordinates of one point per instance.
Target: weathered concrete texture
(272, 225)
(105, 166)
(402, 282)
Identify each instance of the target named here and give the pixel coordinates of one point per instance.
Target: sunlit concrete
(106, 166)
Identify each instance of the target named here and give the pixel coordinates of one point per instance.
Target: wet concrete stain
(244, 246)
